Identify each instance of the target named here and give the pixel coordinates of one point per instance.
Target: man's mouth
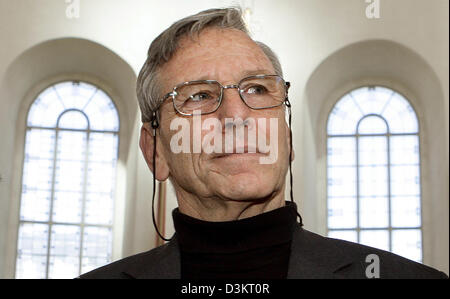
(237, 155)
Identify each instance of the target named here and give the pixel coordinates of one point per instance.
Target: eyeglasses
(205, 96)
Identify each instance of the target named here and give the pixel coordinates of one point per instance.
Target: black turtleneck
(257, 247)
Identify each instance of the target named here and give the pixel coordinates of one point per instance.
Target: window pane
(32, 250)
(372, 150)
(71, 146)
(97, 243)
(64, 251)
(373, 181)
(35, 205)
(63, 267)
(341, 181)
(348, 235)
(45, 109)
(375, 238)
(74, 95)
(99, 208)
(40, 144)
(372, 100)
(102, 113)
(405, 211)
(342, 212)
(372, 125)
(33, 239)
(341, 151)
(103, 147)
(37, 174)
(404, 150)
(373, 212)
(405, 180)
(69, 177)
(67, 206)
(70, 162)
(408, 243)
(31, 266)
(400, 116)
(344, 117)
(101, 177)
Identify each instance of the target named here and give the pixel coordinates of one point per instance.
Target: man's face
(227, 56)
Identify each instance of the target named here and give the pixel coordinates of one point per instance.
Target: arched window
(373, 172)
(67, 197)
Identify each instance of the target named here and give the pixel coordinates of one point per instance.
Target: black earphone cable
(154, 124)
(288, 105)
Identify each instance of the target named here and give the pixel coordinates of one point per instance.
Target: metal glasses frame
(173, 93)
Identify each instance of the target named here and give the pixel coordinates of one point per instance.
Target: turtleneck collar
(261, 231)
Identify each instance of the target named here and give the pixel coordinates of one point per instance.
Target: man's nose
(232, 105)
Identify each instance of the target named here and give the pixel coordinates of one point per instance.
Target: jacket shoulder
(122, 268)
(391, 266)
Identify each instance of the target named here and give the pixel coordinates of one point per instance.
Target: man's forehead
(214, 52)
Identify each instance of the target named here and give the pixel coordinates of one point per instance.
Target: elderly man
(226, 92)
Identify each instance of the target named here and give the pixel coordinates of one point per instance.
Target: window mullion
(388, 143)
(358, 230)
(83, 204)
(420, 194)
(52, 196)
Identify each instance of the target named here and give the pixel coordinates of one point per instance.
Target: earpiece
(288, 105)
(155, 124)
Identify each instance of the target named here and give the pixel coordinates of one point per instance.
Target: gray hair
(166, 44)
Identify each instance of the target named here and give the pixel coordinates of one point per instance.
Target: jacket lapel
(160, 263)
(313, 256)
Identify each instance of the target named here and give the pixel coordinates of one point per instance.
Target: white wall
(304, 33)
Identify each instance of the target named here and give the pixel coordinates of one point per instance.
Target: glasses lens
(263, 91)
(201, 97)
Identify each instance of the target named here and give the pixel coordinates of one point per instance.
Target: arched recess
(390, 64)
(41, 66)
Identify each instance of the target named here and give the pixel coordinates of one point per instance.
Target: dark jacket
(312, 256)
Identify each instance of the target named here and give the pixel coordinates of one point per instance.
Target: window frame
(324, 125)
(119, 215)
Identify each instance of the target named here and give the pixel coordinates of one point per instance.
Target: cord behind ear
(155, 124)
(288, 105)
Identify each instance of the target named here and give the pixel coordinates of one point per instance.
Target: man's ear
(293, 155)
(146, 143)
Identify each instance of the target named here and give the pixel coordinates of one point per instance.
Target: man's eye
(198, 97)
(256, 90)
